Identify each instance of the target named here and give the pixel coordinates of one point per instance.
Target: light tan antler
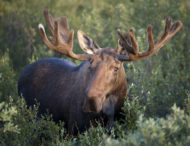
(129, 43)
(62, 40)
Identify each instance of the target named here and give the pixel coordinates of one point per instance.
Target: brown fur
(76, 94)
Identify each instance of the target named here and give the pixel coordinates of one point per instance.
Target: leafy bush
(21, 126)
(7, 113)
(131, 110)
(7, 79)
(174, 130)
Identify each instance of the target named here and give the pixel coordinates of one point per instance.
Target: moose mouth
(93, 105)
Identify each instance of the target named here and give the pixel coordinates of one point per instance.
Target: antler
(62, 40)
(129, 43)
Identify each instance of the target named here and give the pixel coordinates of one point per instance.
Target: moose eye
(116, 69)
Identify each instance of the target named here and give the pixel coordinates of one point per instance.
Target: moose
(95, 89)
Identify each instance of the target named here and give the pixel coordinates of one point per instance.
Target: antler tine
(56, 33)
(150, 38)
(135, 55)
(62, 41)
(125, 41)
(44, 36)
(170, 31)
(50, 21)
(167, 29)
(134, 42)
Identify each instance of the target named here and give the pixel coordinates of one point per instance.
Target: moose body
(62, 87)
(96, 89)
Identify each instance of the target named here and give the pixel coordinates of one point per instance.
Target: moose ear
(86, 43)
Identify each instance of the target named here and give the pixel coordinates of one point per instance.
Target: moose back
(95, 89)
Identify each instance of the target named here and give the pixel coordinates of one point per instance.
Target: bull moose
(79, 94)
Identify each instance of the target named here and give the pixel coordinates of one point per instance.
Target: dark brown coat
(62, 88)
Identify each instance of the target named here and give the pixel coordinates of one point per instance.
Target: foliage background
(155, 84)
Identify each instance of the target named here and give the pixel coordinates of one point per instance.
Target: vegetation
(157, 110)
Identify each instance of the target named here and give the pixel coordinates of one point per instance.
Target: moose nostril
(93, 100)
(91, 105)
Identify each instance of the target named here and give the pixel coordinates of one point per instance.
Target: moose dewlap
(95, 89)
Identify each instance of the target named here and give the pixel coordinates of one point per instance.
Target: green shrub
(22, 126)
(7, 113)
(92, 136)
(187, 102)
(131, 111)
(7, 79)
(173, 130)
